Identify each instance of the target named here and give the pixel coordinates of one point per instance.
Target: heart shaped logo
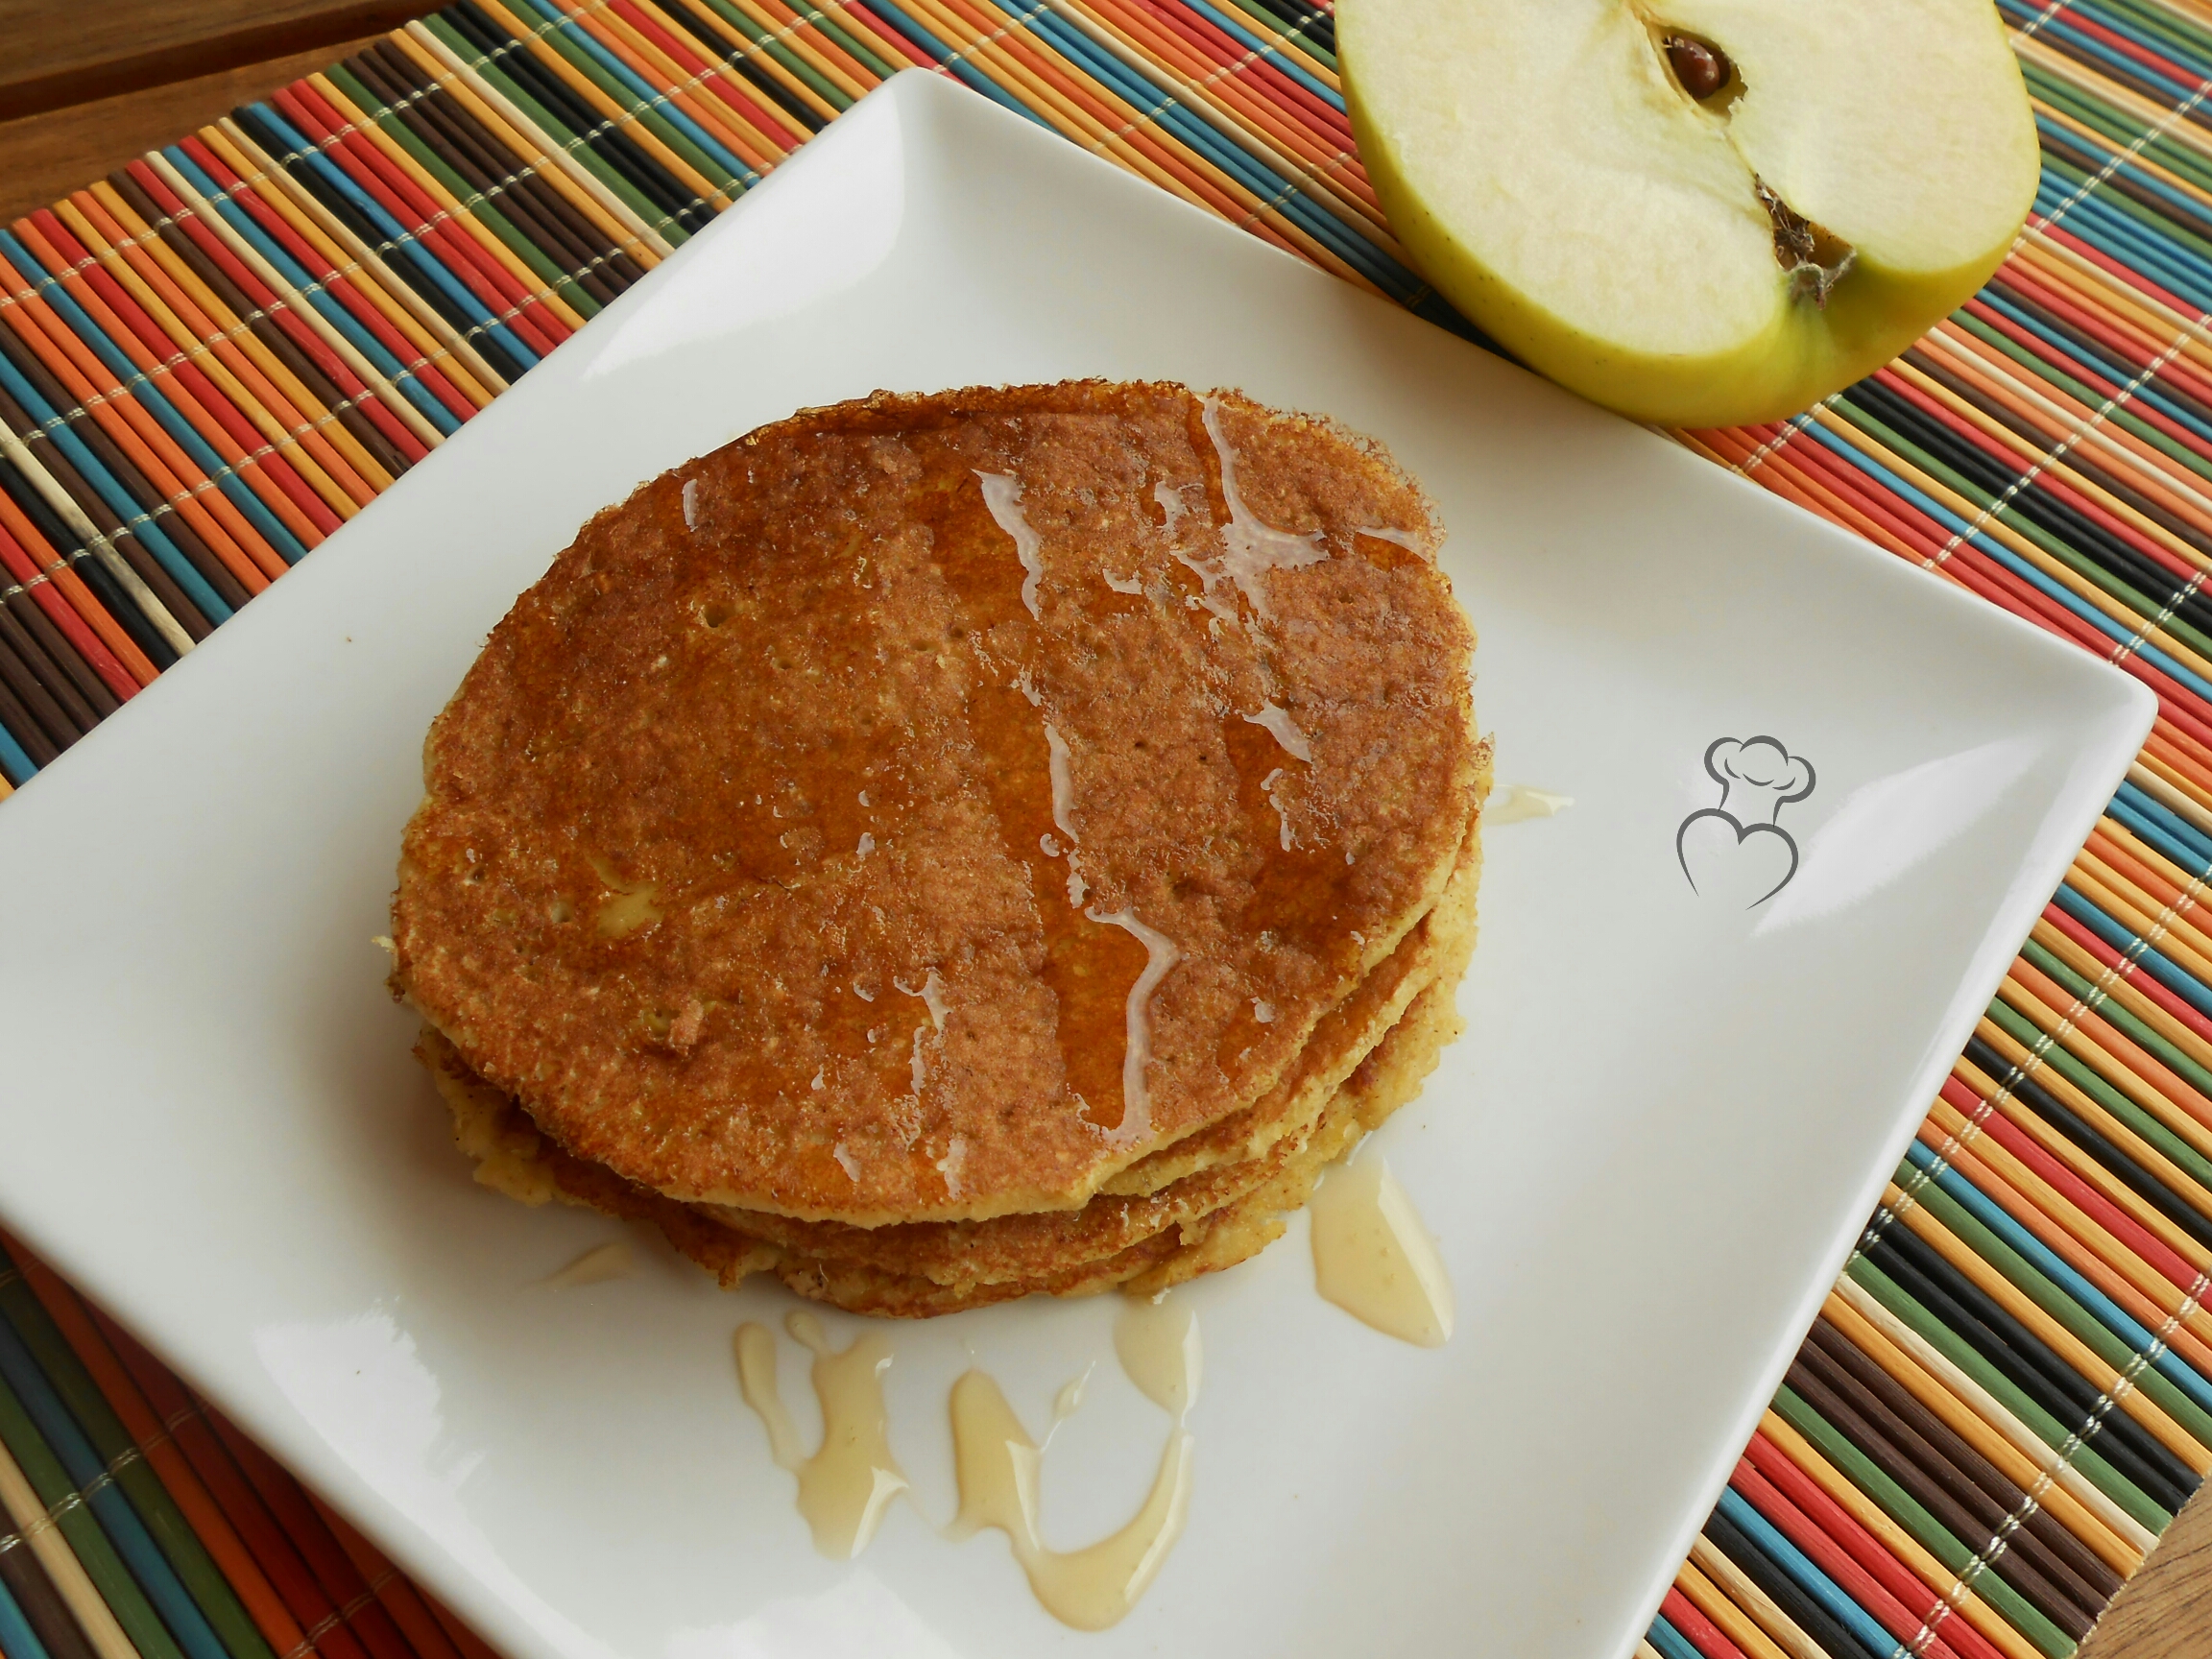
(1732, 865)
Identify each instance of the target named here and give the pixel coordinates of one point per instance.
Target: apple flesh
(1856, 171)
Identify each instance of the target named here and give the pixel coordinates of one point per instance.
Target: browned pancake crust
(512, 1156)
(733, 862)
(1343, 1037)
(1027, 1246)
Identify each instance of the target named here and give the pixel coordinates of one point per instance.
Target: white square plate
(1645, 1159)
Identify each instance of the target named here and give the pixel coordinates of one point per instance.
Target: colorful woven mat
(212, 359)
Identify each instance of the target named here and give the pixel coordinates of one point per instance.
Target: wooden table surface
(2165, 1611)
(86, 87)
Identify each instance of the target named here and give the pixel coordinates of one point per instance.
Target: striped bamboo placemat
(211, 359)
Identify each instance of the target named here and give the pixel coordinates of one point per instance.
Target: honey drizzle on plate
(1373, 1258)
(846, 1487)
(1092, 1587)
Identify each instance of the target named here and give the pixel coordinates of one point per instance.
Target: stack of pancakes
(936, 849)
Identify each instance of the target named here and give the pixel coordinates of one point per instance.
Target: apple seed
(1814, 257)
(1701, 67)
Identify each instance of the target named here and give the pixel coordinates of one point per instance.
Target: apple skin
(1808, 352)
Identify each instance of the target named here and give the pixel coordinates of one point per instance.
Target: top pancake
(922, 809)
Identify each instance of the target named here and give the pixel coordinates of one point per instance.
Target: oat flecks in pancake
(1045, 1243)
(1199, 1238)
(1197, 1220)
(1196, 1224)
(742, 866)
(1444, 935)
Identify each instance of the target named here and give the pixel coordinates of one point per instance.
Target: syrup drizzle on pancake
(1002, 495)
(1160, 955)
(1091, 969)
(1293, 899)
(1404, 539)
(888, 690)
(1063, 784)
(1250, 549)
(804, 804)
(1285, 729)
(1294, 896)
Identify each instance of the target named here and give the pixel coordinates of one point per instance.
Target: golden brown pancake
(1436, 948)
(1023, 1248)
(1203, 1232)
(1029, 1251)
(1191, 1224)
(938, 808)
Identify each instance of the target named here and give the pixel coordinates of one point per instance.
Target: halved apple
(1697, 212)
